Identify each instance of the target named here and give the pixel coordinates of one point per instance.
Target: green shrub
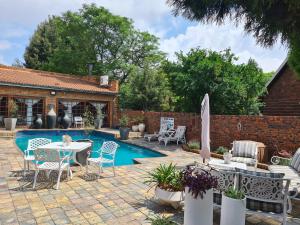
(88, 117)
(161, 220)
(194, 144)
(166, 177)
(221, 150)
(13, 109)
(233, 193)
(124, 121)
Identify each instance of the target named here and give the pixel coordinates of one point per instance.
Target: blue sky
(19, 18)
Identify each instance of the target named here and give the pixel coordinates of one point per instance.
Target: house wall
(276, 132)
(48, 99)
(283, 96)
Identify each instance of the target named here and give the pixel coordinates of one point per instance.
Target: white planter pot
(135, 128)
(198, 211)
(233, 211)
(142, 127)
(168, 197)
(10, 123)
(227, 157)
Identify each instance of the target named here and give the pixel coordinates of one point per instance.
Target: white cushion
(289, 172)
(245, 149)
(295, 163)
(248, 161)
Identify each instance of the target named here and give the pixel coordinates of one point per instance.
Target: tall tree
(91, 35)
(268, 20)
(233, 89)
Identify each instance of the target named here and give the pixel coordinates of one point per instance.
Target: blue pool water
(124, 156)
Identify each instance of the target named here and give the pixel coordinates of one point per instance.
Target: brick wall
(281, 131)
(283, 96)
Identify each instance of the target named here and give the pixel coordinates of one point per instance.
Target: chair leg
(114, 170)
(35, 177)
(28, 167)
(58, 179)
(24, 170)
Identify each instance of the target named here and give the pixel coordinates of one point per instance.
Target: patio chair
(33, 144)
(49, 160)
(106, 155)
(245, 152)
(163, 129)
(290, 167)
(177, 135)
(78, 121)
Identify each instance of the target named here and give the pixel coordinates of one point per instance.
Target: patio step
(7, 134)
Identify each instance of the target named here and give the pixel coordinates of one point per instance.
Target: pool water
(124, 156)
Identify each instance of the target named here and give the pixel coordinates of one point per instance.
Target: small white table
(73, 147)
(219, 163)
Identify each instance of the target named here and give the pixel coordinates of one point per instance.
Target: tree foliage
(233, 89)
(267, 20)
(69, 42)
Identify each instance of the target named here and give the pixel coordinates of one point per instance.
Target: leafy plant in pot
(124, 130)
(10, 122)
(99, 118)
(233, 209)
(168, 184)
(198, 203)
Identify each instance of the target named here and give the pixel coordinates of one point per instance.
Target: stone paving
(122, 199)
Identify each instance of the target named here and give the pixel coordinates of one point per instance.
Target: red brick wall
(281, 131)
(283, 94)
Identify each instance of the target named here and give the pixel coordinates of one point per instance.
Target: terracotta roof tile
(57, 81)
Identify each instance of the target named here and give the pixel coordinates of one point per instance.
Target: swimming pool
(124, 156)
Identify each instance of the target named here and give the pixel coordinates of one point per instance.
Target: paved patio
(123, 199)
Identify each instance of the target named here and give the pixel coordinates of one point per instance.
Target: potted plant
(198, 203)
(134, 127)
(10, 122)
(168, 184)
(124, 130)
(141, 123)
(161, 220)
(233, 209)
(88, 118)
(99, 119)
(192, 146)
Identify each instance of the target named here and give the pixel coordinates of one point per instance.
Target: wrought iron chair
(106, 154)
(177, 135)
(78, 121)
(49, 160)
(33, 144)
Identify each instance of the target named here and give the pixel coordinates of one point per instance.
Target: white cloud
(4, 45)
(218, 38)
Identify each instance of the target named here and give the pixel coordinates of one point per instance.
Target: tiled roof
(56, 81)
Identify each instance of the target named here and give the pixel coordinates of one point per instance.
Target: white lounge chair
(245, 152)
(106, 155)
(49, 160)
(177, 135)
(163, 129)
(33, 144)
(78, 121)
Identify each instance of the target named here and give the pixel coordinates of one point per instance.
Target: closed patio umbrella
(205, 128)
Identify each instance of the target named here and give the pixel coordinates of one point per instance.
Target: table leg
(75, 160)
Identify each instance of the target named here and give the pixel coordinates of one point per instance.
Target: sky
(19, 19)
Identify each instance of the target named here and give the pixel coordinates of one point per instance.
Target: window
(3, 109)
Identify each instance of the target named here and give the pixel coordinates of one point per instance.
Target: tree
(18, 63)
(147, 89)
(91, 35)
(233, 89)
(268, 20)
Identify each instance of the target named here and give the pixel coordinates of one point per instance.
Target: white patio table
(73, 147)
(219, 163)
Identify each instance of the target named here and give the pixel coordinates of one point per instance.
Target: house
(35, 92)
(283, 93)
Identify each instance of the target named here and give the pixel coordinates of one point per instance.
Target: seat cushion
(264, 206)
(289, 173)
(248, 161)
(245, 149)
(276, 174)
(295, 163)
(51, 166)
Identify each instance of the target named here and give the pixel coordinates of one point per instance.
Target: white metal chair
(163, 129)
(177, 135)
(106, 154)
(78, 121)
(49, 160)
(245, 152)
(33, 144)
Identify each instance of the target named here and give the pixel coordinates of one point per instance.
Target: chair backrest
(78, 119)
(163, 128)
(47, 155)
(247, 149)
(109, 148)
(33, 144)
(295, 163)
(226, 179)
(180, 131)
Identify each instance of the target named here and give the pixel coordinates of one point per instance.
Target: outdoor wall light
(53, 93)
